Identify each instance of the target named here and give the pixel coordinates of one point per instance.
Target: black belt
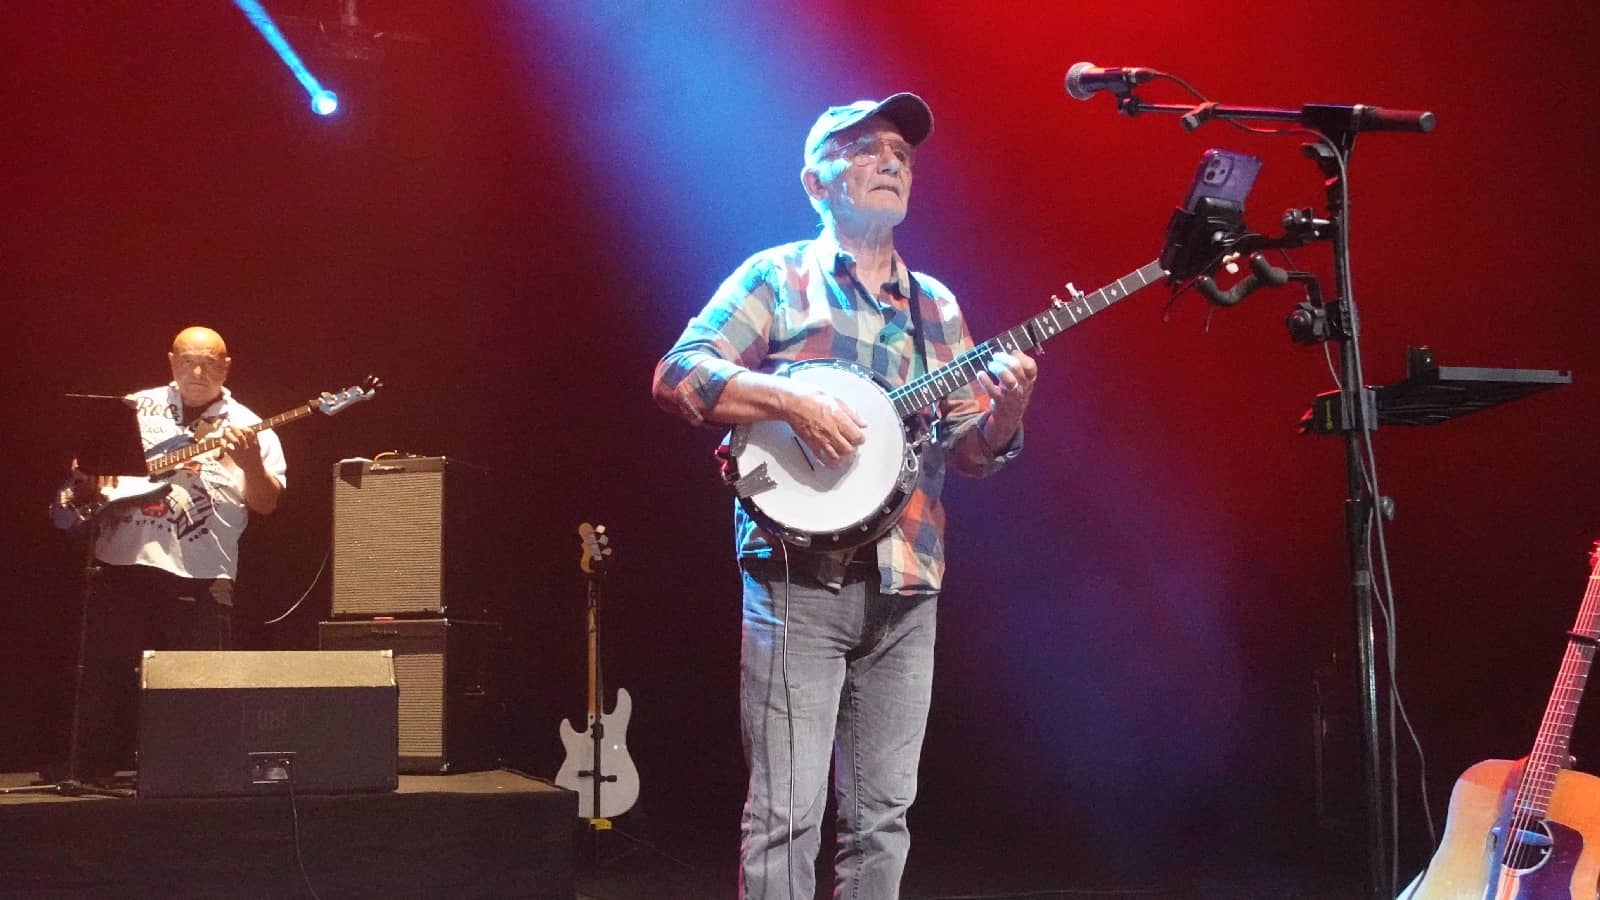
(861, 569)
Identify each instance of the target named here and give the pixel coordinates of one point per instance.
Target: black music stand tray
(104, 435)
(1433, 395)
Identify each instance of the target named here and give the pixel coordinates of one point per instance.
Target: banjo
(791, 494)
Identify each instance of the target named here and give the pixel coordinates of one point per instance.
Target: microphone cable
(788, 718)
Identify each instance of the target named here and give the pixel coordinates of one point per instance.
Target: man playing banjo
(838, 635)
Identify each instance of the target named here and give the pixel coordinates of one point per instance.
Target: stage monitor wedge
(246, 722)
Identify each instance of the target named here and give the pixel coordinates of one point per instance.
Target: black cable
(314, 579)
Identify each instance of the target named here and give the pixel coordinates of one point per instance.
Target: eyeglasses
(868, 149)
(210, 365)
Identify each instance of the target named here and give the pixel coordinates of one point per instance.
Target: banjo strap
(916, 323)
(919, 366)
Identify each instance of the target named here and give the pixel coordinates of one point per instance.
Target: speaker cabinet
(244, 722)
(407, 537)
(448, 708)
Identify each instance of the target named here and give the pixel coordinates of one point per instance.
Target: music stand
(1433, 395)
(1428, 395)
(103, 437)
(1446, 392)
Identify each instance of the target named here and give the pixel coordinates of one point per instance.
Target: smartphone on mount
(1212, 212)
(1224, 178)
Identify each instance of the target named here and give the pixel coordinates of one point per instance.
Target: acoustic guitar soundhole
(1528, 846)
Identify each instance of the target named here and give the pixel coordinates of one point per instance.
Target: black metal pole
(1360, 508)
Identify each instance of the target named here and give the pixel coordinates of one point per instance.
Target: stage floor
(475, 834)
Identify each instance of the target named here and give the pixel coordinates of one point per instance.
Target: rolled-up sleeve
(961, 432)
(963, 414)
(728, 336)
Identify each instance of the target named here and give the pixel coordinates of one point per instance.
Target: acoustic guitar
(1528, 829)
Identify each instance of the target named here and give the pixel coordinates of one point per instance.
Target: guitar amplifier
(448, 704)
(404, 541)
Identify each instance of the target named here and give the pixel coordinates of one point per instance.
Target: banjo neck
(921, 393)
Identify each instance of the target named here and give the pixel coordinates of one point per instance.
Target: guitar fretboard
(921, 393)
(1551, 749)
(169, 461)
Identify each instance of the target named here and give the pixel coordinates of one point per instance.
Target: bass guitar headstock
(332, 403)
(596, 549)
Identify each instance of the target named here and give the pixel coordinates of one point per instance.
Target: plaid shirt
(803, 301)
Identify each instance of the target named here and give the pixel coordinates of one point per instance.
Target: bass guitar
(73, 508)
(1528, 829)
(597, 765)
(809, 505)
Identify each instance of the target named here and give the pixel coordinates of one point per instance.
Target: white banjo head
(812, 497)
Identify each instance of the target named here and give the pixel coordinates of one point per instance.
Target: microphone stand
(1339, 125)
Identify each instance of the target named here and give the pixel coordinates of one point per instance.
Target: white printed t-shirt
(191, 530)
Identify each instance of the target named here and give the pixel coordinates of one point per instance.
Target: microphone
(1085, 78)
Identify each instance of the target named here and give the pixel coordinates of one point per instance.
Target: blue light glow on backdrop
(661, 105)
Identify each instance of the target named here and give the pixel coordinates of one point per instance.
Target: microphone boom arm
(1327, 118)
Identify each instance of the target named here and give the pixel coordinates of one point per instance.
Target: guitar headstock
(329, 403)
(596, 548)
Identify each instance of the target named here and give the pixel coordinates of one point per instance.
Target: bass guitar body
(116, 493)
(616, 796)
(1467, 865)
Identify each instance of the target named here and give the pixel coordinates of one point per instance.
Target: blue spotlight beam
(323, 101)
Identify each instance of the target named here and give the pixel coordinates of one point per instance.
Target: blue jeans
(859, 678)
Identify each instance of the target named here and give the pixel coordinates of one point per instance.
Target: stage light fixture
(323, 101)
(346, 37)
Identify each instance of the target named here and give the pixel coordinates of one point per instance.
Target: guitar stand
(597, 775)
